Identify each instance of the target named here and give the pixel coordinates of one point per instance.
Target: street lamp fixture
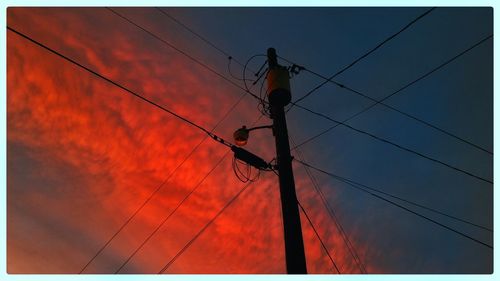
(242, 134)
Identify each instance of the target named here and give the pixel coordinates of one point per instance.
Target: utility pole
(279, 95)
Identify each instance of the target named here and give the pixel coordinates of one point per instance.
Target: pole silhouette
(279, 97)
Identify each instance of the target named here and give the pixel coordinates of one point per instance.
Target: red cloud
(115, 150)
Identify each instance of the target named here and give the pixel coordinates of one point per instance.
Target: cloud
(95, 153)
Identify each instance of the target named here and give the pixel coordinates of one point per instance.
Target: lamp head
(241, 136)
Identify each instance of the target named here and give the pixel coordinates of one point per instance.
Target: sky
(83, 155)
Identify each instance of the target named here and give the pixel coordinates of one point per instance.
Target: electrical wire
(192, 191)
(161, 185)
(396, 204)
(172, 212)
(392, 94)
(190, 242)
(121, 86)
(425, 75)
(186, 120)
(343, 86)
(229, 57)
(378, 190)
(398, 146)
(183, 53)
(198, 35)
(231, 73)
(244, 176)
(141, 206)
(263, 109)
(263, 105)
(238, 173)
(209, 133)
(246, 90)
(134, 94)
(333, 216)
(399, 90)
(364, 56)
(148, 101)
(319, 237)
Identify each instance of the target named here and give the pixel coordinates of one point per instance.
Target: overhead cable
(397, 205)
(364, 55)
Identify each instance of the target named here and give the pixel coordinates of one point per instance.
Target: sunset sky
(83, 154)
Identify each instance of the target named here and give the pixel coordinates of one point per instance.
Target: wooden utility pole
(279, 96)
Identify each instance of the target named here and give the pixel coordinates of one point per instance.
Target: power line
(399, 90)
(426, 74)
(343, 234)
(319, 237)
(343, 86)
(229, 56)
(378, 190)
(183, 200)
(160, 186)
(332, 214)
(141, 207)
(429, 11)
(122, 87)
(183, 53)
(177, 21)
(350, 183)
(363, 56)
(172, 212)
(215, 137)
(209, 133)
(397, 145)
(169, 263)
(192, 31)
(263, 105)
(144, 99)
(247, 91)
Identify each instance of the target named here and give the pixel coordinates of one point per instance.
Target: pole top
(272, 57)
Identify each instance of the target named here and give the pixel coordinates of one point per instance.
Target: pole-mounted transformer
(278, 81)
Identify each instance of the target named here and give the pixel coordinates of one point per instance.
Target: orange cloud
(84, 155)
